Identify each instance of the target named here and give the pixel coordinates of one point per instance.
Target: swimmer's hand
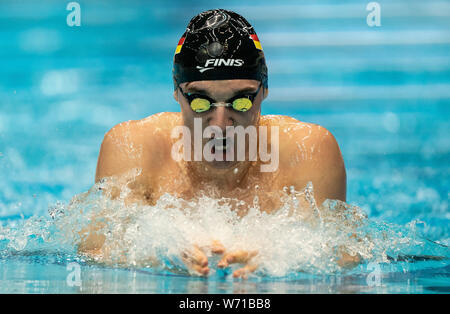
(346, 260)
(197, 261)
(239, 257)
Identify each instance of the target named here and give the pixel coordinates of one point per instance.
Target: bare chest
(257, 192)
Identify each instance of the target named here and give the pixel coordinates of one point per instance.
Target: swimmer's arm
(117, 152)
(125, 149)
(331, 179)
(320, 162)
(115, 161)
(128, 146)
(330, 182)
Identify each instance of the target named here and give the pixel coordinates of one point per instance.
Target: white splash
(299, 237)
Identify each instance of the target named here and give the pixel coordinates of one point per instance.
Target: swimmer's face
(221, 91)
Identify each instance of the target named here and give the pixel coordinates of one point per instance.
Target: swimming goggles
(202, 103)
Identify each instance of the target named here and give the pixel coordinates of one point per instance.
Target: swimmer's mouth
(221, 144)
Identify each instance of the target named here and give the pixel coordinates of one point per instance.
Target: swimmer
(220, 80)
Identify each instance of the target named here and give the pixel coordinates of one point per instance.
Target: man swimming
(220, 82)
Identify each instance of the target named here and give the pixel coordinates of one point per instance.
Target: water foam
(299, 237)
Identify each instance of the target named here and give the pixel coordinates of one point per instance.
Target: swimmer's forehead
(236, 86)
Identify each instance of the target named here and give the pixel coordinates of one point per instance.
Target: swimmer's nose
(220, 117)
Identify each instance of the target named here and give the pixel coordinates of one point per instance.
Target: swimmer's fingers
(348, 261)
(239, 257)
(195, 259)
(245, 271)
(217, 247)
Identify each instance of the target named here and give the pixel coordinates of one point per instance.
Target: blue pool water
(383, 92)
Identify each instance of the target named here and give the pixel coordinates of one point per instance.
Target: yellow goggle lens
(200, 105)
(242, 104)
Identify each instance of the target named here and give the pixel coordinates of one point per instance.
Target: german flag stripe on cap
(255, 39)
(180, 44)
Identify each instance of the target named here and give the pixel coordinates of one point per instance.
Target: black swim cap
(219, 45)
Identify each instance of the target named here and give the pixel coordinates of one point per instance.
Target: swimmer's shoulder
(152, 134)
(303, 143)
(291, 129)
(136, 143)
(158, 125)
(308, 152)
(164, 121)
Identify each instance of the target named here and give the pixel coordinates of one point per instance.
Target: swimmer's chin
(225, 164)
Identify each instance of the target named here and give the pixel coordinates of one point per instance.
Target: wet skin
(307, 153)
